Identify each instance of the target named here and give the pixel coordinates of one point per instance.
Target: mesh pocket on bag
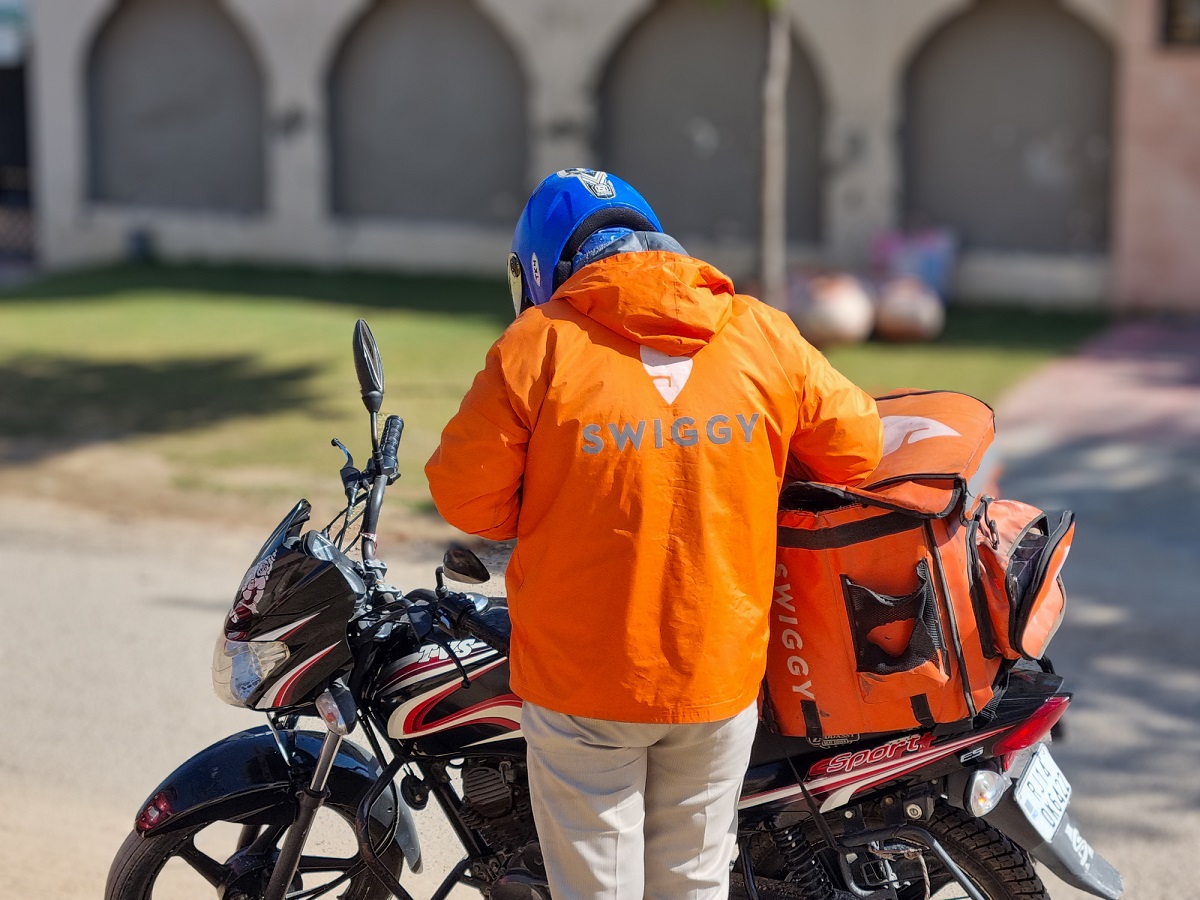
(894, 634)
(1018, 552)
(1024, 559)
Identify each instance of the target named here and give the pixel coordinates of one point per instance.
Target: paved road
(106, 635)
(106, 630)
(1114, 434)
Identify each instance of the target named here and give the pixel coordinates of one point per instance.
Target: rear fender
(1068, 855)
(245, 779)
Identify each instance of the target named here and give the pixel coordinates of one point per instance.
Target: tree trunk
(773, 237)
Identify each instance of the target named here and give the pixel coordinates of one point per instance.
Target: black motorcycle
(314, 632)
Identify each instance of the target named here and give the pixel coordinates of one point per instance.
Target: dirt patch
(127, 483)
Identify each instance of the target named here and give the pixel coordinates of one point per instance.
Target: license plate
(1043, 793)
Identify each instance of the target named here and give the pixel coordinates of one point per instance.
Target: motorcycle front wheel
(220, 859)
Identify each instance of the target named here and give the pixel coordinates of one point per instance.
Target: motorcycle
(316, 632)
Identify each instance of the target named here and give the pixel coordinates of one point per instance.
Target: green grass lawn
(983, 351)
(239, 377)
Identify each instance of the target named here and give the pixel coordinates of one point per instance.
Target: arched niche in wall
(175, 109)
(681, 119)
(427, 117)
(1008, 130)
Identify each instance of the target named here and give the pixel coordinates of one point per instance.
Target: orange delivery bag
(874, 624)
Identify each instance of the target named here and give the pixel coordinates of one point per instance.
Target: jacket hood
(667, 301)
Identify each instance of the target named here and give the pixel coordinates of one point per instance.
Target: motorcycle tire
(141, 859)
(996, 866)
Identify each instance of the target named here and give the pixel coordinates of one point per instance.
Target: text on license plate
(1043, 793)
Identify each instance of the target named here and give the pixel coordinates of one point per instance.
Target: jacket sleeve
(476, 473)
(839, 435)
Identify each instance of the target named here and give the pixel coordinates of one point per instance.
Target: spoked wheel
(998, 868)
(220, 859)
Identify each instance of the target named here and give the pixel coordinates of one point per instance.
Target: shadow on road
(1114, 434)
(52, 404)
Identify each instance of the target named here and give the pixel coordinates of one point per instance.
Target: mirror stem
(375, 436)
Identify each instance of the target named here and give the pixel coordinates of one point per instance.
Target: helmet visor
(516, 282)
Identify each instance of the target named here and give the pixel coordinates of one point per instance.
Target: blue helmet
(561, 213)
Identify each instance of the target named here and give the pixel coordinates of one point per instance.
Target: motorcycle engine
(488, 787)
(496, 804)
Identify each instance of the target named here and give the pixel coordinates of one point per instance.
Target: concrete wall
(1008, 132)
(574, 60)
(427, 117)
(175, 109)
(690, 124)
(1157, 241)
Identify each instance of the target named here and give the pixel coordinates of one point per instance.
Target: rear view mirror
(369, 366)
(461, 565)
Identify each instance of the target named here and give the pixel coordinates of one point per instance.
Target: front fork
(310, 800)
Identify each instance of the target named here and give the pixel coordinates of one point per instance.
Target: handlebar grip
(490, 626)
(456, 607)
(389, 443)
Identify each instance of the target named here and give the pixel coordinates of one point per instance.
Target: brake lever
(351, 476)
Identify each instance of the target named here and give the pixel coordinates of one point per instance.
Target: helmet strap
(562, 271)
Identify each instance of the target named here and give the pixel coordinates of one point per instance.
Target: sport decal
(849, 762)
(596, 182)
(832, 780)
(414, 718)
(283, 693)
(901, 430)
(432, 662)
(280, 633)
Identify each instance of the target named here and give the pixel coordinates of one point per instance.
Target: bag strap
(845, 535)
(987, 637)
(987, 520)
(921, 711)
(950, 618)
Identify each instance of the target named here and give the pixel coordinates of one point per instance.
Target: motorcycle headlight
(240, 667)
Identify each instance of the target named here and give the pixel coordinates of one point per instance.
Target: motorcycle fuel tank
(427, 701)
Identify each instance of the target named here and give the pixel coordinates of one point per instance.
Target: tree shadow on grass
(476, 297)
(52, 404)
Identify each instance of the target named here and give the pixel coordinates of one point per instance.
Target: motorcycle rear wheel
(136, 869)
(996, 865)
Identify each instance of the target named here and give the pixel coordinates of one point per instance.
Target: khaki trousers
(627, 810)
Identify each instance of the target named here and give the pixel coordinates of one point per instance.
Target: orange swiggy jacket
(632, 434)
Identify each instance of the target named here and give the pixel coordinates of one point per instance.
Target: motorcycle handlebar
(389, 444)
(382, 471)
(489, 625)
(371, 518)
